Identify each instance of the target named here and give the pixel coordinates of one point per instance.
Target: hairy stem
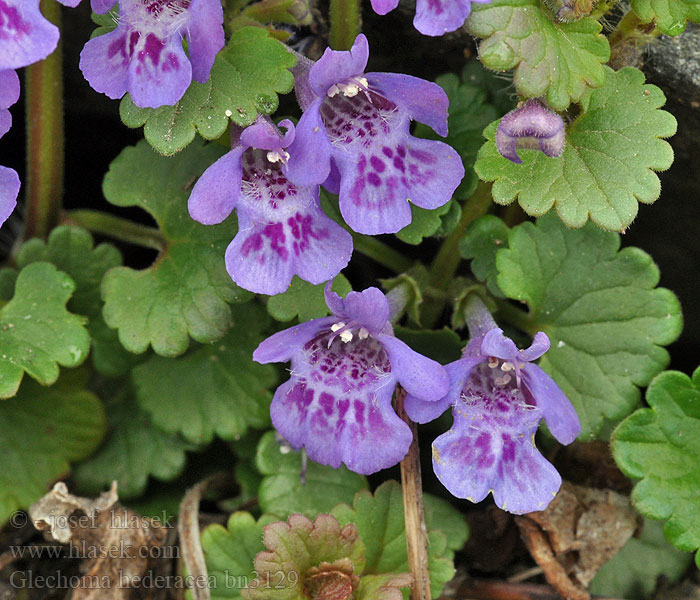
(45, 145)
(416, 531)
(346, 17)
(628, 40)
(380, 253)
(116, 227)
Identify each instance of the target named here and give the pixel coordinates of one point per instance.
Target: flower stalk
(116, 228)
(346, 17)
(45, 138)
(414, 515)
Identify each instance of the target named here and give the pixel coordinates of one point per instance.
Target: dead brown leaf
(579, 531)
(117, 545)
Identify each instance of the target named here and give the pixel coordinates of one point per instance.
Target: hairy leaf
(283, 491)
(43, 430)
(37, 333)
(559, 61)
(305, 300)
(481, 241)
(186, 291)
(671, 16)
(606, 319)
(661, 446)
(214, 389)
(612, 150)
(244, 82)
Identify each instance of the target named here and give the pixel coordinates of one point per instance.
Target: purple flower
(281, 229)
(337, 403)
(144, 54)
(498, 399)
(361, 121)
(9, 180)
(433, 17)
(531, 126)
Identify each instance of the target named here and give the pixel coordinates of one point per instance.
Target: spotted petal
(104, 62)
(339, 409)
(266, 254)
(25, 35)
(490, 449)
(283, 345)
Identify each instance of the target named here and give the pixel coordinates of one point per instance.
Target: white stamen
(275, 156)
(493, 362)
(345, 336)
(337, 326)
(503, 380)
(506, 366)
(363, 334)
(349, 89)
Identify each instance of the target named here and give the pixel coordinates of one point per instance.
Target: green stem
(346, 17)
(447, 260)
(45, 151)
(628, 40)
(516, 317)
(381, 253)
(116, 227)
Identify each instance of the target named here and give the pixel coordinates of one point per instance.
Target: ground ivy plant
(304, 259)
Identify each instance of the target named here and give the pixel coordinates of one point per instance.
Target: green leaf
(133, 449)
(470, 112)
(556, 60)
(671, 16)
(612, 150)
(282, 491)
(382, 587)
(244, 82)
(72, 250)
(236, 395)
(606, 319)
(424, 223)
(441, 514)
(37, 333)
(304, 559)
(634, 571)
(305, 300)
(42, 430)
(380, 521)
(661, 446)
(187, 289)
(230, 551)
(480, 243)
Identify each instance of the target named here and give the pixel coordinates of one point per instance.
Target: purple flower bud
(532, 126)
(144, 54)
(355, 129)
(337, 403)
(282, 231)
(498, 398)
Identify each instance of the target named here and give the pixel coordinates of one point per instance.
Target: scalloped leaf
(237, 392)
(671, 16)
(283, 492)
(43, 430)
(606, 319)
(37, 333)
(245, 80)
(380, 522)
(186, 291)
(73, 250)
(559, 61)
(133, 450)
(305, 300)
(661, 446)
(612, 150)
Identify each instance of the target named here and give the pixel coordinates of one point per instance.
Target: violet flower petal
(419, 375)
(490, 449)
(339, 66)
(205, 36)
(218, 190)
(437, 17)
(104, 63)
(9, 189)
(281, 346)
(424, 101)
(310, 153)
(382, 7)
(339, 409)
(531, 126)
(558, 412)
(368, 308)
(25, 35)
(102, 6)
(9, 94)
(266, 254)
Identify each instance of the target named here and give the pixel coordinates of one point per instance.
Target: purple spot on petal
(374, 179)
(377, 164)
